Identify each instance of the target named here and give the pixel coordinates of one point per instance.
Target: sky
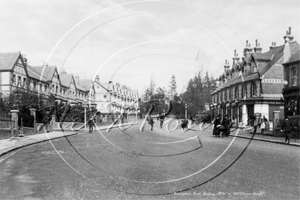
(127, 41)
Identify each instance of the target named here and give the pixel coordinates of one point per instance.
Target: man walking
(287, 127)
(161, 119)
(91, 125)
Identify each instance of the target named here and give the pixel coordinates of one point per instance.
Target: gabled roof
(8, 60)
(295, 57)
(65, 79)
(34, 74)
(46, 71)
(86, 83)
(80, 88)
(262, 56)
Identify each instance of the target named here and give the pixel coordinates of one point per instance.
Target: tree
(172, 87)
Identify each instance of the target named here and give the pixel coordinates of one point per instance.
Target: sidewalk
(11, 144)
(265, 137)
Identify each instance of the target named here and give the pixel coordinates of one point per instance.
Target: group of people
(160, 118)
(261, 123)
(222, 126)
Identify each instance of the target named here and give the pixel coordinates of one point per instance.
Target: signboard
(206, 106)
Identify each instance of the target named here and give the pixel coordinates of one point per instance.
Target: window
(294, 77)
(19, 81)
(34, 85)
(13, 79)
(104, 96)
(253, 89)
(24, 82)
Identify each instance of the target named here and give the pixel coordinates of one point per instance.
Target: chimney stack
(97, 79)
(63, 71)
(257, 48)
(226, 66)
(247, 50)
(288, 37)
(273, 45)
(77, 80)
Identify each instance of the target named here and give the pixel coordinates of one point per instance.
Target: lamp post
(84, 105)
(194, 86)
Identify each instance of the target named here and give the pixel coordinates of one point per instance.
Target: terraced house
(114, 98)
(253, 83)
(44, 80)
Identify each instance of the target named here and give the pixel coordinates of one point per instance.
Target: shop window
(294, 77)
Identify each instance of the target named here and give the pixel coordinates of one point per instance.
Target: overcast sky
(127, 41)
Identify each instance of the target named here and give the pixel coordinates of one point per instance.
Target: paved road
(151, 165)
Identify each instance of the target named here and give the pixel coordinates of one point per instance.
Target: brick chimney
(77, 79)
(226, 66)
(288, 36)
(257, 48)
(235, 57)
(273, 45)
(24, 59)
(63, 71)
(247, 50)
(97, 79)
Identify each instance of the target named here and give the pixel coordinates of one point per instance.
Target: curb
(10, 149)
(265, 140)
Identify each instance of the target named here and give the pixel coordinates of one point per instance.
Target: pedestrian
(217, 122)
(151, 122)
(226, 124)
(287, 127)
(257, 123)
(91, 125)
(263, 124)
(161, 119)
(184, 124)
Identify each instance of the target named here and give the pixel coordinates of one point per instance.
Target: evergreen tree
(172, 87)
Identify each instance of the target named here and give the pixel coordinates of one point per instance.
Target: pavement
(248, 134)
(11, 144)
(14, 143)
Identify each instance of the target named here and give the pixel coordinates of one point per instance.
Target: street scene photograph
(149, 99)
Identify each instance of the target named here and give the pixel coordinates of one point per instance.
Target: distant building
(114, 98)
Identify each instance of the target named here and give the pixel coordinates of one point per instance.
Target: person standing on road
(161, 119)
(263, 124)
(287, 127)
(151, 122)
(91, 125)
(226, 124)
(217, 122)
(257, 123)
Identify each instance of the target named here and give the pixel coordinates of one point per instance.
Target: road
(130, 164)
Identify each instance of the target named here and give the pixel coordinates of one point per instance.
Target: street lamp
(194, 86)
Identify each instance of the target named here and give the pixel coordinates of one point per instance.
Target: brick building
(16, 73)
(253, 84)
(292, 87)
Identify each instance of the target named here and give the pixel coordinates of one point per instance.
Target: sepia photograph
(149, 99)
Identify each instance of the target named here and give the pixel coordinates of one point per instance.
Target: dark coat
(287, 125)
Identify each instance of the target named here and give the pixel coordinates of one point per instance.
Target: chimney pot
(290, 30)
(256, 43)
(246, 43)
